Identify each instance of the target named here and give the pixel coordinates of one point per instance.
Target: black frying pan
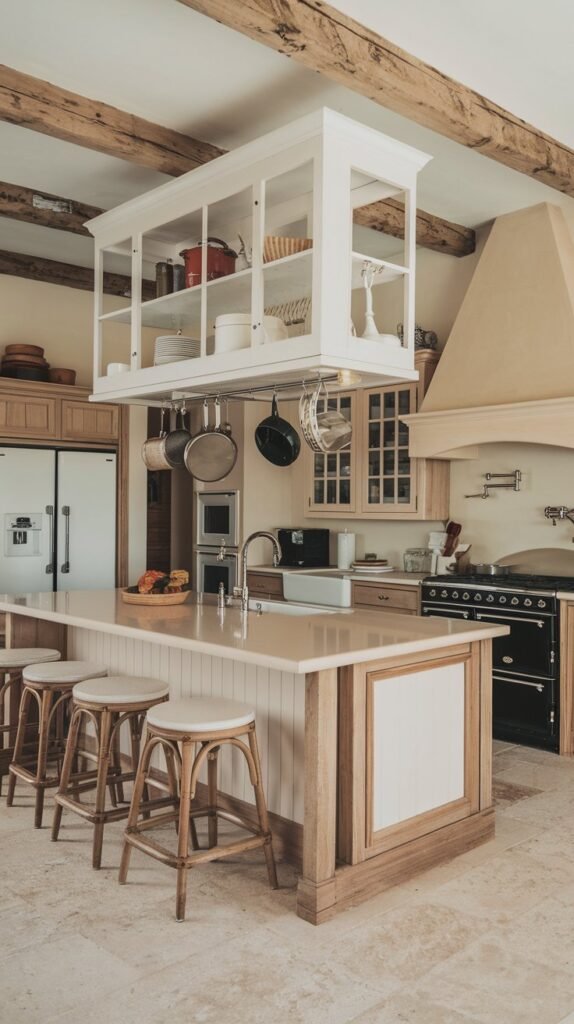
(276, 439)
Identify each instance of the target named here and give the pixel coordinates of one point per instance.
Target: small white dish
(113, 368)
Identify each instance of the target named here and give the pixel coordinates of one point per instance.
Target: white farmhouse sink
(317, 589)
(282, 608)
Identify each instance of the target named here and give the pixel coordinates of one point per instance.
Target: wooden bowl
(275, 247)
(59, 376)
(131, 596)
(24, 350)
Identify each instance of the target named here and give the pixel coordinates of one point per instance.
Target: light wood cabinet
(266, 585)
(390, 598)
(376, 478)
(25, 416)
(86, 421)
(37, 411)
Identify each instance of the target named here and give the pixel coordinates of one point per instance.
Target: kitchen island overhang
(375, 728)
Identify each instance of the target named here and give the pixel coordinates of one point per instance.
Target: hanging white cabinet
(300, 181)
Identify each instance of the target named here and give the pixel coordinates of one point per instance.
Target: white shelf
(390, 271)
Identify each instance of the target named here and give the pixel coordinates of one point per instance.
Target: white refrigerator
(57, 519)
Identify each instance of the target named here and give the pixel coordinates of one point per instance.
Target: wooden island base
(374, 771)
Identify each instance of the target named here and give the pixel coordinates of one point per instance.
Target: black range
(526, 690)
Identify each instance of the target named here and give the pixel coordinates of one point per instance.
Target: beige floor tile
(410, 1008)
(395, 950)
(545, 777)
(41, 981)
(499, 889)
(489, 982)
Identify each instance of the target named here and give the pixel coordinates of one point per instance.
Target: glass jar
(417, 560)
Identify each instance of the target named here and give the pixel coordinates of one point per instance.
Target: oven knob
(444, 593)
(432, 593)
(542, 604)
(465, 596)
(527, 602)
(502, 599)
(478, 597)
(454, 594)
(515, 601)
(490, 598)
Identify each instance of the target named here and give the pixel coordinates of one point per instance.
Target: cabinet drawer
(87, 421)
(389, 598)
(28, 417)
(261, 584)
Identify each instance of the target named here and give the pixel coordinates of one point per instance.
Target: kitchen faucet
(241, 589)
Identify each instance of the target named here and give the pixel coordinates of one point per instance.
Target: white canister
(234, 331)
(345, 550)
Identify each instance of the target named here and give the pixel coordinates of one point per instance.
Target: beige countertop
(306, 643)
(397, 576)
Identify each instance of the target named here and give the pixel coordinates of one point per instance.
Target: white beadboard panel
(418, 743)
(278, 699)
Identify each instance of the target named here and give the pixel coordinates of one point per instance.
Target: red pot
(220, 261)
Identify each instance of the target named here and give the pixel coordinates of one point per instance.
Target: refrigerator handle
(50, 514)
(66, 562)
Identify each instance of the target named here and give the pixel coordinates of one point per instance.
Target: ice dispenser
(22, 532)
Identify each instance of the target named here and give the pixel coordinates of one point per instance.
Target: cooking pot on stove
(491, 569)
(220, 261)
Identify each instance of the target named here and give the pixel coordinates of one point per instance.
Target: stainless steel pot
(492, 569)
(153, 450)
(176, 442)
(212, 453)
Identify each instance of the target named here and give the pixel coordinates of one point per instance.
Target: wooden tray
(158, 600)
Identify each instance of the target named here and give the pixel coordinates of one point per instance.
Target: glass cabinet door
(389, 484)
(332, 477)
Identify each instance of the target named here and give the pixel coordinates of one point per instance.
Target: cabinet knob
(383, 597)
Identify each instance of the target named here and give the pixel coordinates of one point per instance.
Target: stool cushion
(120, 690)
(67, 672)
(200, 714)
(19, 657)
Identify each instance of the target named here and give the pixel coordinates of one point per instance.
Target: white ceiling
(162, 61)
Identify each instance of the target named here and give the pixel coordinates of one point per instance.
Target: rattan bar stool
(50, 684)
(108, 704)
(210, 724)
(12, 663)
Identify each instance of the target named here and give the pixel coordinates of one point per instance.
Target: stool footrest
(161, 853)
(88, 812)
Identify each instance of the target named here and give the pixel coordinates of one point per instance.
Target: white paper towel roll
(345, 549)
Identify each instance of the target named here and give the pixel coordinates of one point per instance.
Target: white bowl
(113, 368)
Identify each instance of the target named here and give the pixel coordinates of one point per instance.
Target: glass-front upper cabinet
(389, 484)
(332, 477)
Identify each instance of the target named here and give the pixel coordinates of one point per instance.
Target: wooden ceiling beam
(46, 108)
(43, 107)
(345, 51)
(36, 268)
(387, 215)
(45, 209)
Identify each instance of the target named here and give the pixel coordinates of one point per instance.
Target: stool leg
(117, 763)
(19, 743)
(104, 753)
(183, 833)
(212, 797)
(70, 758)
(262, 812)
(139, 785)
(41, 767)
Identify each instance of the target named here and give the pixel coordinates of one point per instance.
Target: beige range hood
(507, 371)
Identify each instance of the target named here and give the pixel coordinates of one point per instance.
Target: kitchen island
(375, 730)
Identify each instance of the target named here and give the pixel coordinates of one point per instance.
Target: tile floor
(487, 938)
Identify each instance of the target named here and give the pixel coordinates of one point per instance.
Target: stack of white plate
(171, 348)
